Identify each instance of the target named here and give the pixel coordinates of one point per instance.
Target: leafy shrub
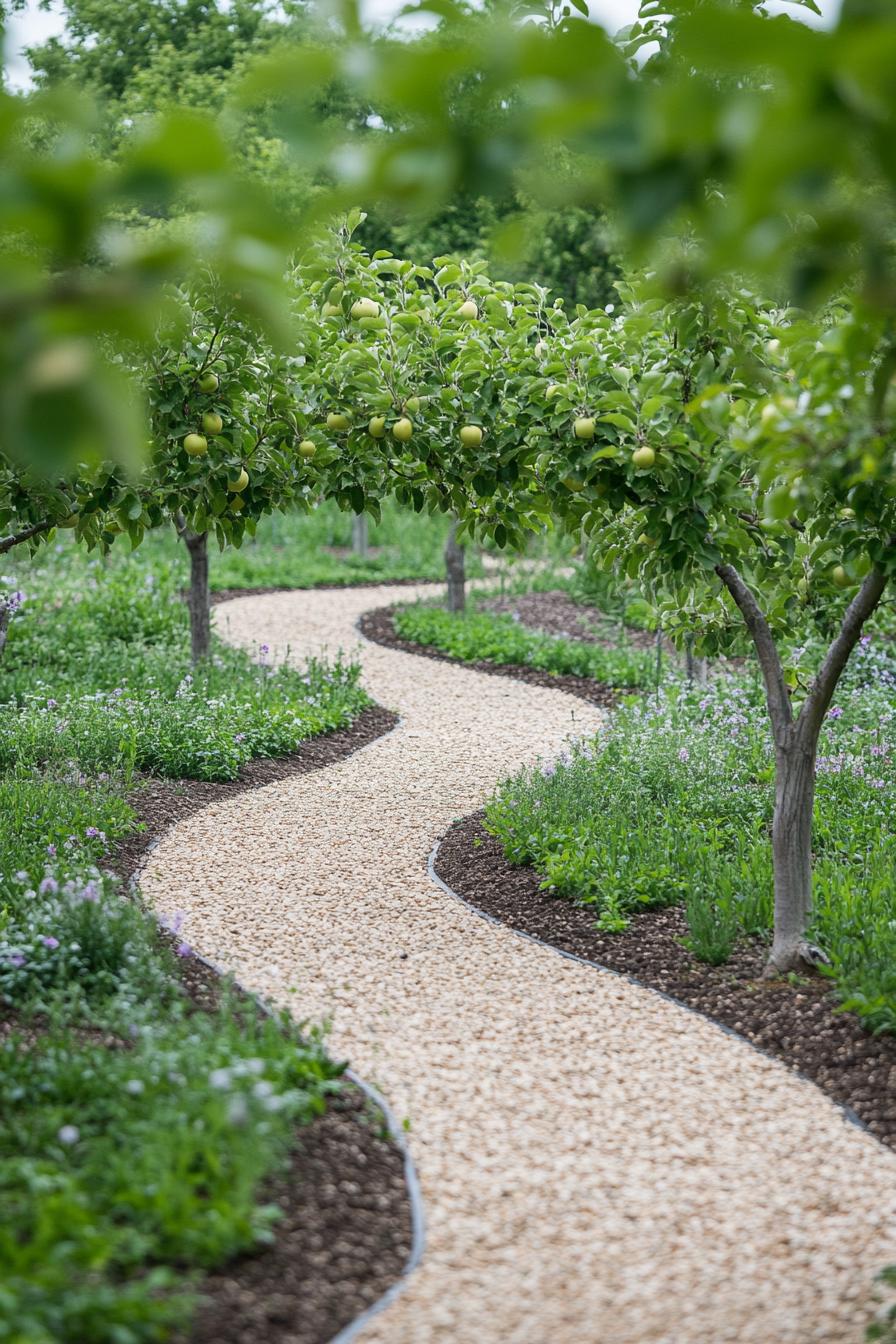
(475, 636)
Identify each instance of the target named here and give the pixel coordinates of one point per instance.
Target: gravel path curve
(599, 1166)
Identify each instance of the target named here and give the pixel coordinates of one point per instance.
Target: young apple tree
(226, 428)
(422, 374)
(734, 459)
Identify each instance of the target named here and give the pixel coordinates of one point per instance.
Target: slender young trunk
(5, 613)
(697, 669)
(792, 853)
(455, 567)
(359, 535)
(796, 748)
(198, 597)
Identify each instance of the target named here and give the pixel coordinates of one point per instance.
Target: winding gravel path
(599, 1166)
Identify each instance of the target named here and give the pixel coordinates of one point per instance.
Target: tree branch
(776, 693)
(7, 543)
(825, 683)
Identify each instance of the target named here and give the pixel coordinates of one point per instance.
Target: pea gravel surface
(599, 1166)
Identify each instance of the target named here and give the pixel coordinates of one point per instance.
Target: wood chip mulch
(345, 1234)
(799, 1024)
(379, 627)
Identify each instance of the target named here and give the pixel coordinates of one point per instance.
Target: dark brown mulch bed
(798, 1024)
(225, 594)
(159, 803)
(344, 1237)
(346, 1233)
(555, 613)
(380, 627)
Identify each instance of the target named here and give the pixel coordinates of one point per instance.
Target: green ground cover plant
(499, 638)
(673, 805)
(134, 1129)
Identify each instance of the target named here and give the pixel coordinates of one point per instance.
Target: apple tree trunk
(456, 571)
(198, 598)
(792, 851)
(359, 535)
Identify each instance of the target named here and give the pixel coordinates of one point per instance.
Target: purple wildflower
(184, 950)
(49, 886)
(835, 713)
(16, 959)
(49, 941)
(684, 754)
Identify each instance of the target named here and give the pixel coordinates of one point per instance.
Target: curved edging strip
(848, 1114)
(396, 1134)
(411, 1179)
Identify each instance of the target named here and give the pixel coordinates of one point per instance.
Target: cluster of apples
(196, 445)
(642, 457)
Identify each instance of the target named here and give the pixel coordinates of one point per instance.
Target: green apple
(70, 521)
(412, 405)
(644, 540)
(847, 514)
(331, 310)
(840, 577)
(402, 429)
(471, 436)
(365, 308)
(336, 420)
(469, 310)
(768, 414)
(212, 423)
(208, 382)
(238, 485)
(377, 427)
(573, 483)
(644, 456)
(196, 445)
(237, 504)
(584, 427)
(307, 448)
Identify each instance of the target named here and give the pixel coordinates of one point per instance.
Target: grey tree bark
(796, 748)
(5, 613)
(697, 669)
(198, 601)
(456, 571)
(359, 535)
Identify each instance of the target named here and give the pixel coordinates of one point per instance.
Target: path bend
(598, 1165)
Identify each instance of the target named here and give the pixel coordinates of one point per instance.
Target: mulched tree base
(796, 1023)
(379, 626)
(345, 1234)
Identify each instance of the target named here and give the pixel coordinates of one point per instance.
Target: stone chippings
(599, 1166)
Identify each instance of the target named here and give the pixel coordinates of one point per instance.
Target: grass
(480, 635)
(293, 550)
(134, 1129)
(673, 805)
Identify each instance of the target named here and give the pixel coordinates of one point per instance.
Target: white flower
(69, 1134)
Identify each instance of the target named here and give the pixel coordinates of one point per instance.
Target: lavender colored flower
(835, 713)
(51, 850)
(49, 886)
(684, 754)
(16, 959)
(49, 941)
(184, 950)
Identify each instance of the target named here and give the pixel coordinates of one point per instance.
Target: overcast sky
(33, 25)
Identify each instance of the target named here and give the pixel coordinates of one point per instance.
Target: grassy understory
(673, 805)
(134, 1129)
(295, 550)
(480, 635)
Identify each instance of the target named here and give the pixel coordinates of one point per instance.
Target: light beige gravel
(599, 1166)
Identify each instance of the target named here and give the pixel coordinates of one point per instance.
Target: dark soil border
(350, 1226)
(379, 627)
(797, 1023)
(219, 595)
